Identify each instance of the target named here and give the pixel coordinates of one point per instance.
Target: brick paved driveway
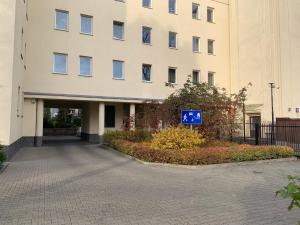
(81, 184)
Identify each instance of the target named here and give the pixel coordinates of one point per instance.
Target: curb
(3, 167)
(246, 163)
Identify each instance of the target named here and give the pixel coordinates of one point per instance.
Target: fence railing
(268, 134)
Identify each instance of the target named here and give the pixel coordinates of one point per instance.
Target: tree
(221, 110)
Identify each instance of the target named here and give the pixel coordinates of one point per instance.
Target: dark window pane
(146, 35)
(172, 76)
(110, 115)
(146, 72)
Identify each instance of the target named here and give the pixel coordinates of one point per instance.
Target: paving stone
(86, 185)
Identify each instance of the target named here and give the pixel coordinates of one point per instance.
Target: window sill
(147, 82)
(118, 39)
(148, 7)
(87, 34)
(58, 73)
(212, 54)
(197, 19)
(118, 78)
(85, 75)
(173, 13)
(147, 44)
(173, 48)
(212, 22)
(197, 52)
(57, 29)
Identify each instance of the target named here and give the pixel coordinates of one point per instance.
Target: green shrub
(176, 138)
(2, 155)
(134, 136)
(291, 191)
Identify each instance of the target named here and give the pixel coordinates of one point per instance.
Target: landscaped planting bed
(204, 153)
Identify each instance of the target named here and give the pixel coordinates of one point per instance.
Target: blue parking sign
(191, 117)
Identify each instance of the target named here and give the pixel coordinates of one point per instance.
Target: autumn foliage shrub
(176, 138)
(202, 155)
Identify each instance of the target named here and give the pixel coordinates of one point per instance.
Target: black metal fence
(268, 134)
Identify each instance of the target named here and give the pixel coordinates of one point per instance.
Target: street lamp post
(272, 86)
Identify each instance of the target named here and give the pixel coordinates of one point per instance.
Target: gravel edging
(3, 167)
(246, 163)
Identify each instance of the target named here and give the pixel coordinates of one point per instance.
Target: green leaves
(291, 191)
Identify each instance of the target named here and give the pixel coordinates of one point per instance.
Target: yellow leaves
(176, 138)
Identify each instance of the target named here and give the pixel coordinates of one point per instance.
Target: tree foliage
(221, 110)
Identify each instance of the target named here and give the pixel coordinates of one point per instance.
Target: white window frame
(199, 44)
(175, 68)
(147, 7)
(123, 70)
(55, 19)
(213, 76)
(92, 24)
(175, 11)
(147, 81)
(198, 14)
(91, 66)
(199, 76)
(53, 66)
(176, 40)
(213, 47)
(213, 14)
(123, 30)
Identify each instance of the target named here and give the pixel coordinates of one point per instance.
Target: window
(172, 40)
(172, 6)
(85, 66)
(86, 24)
(60, 63)
(147, 3)
(196, 76)
(211, 79)
(110, 116)
(196, 44)
(195, 11)
(211, 49)
(172, 75)
(147, 35)
(61, 20)
(146, 72)
(118, 69)
(210, 15)
(118, 30)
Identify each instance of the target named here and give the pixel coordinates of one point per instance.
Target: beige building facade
(112, 55)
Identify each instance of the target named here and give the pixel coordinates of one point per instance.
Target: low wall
(60, 131)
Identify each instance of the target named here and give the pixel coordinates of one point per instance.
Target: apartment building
(106, 57)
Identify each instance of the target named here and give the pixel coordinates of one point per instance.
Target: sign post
(191, 117)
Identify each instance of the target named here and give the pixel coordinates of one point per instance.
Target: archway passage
(62, 122)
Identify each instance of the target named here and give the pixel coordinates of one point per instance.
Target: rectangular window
(85, 66)
(172, 6)
(146, 72)
(61, 20)
(110, 116)
(172, 40)
(196, 76)
(210, 15)
(211, 47)
(60, 63)
(86, 24)
(118, 30)
(118, 69)
(147, 3)
(195, 11)
(211, 79)
(172, 76)
(147, 35)
(196, 44)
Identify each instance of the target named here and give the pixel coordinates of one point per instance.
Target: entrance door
(254, 120)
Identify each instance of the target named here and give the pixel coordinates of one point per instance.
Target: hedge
(202, 155)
